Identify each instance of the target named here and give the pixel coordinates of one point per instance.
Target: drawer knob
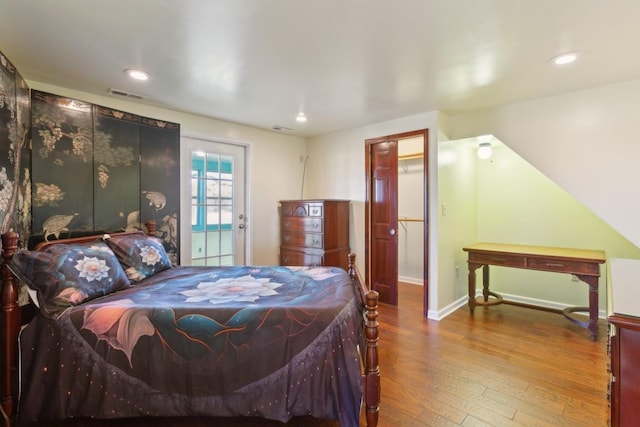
(555, 264)
(316, 225)
(287, 238)
(316, 242)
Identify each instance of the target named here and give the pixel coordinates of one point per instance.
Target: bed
(119, 332)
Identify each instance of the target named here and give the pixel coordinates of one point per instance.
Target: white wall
(336, 170)
(274, 167)
(411, 206)
(586, 142)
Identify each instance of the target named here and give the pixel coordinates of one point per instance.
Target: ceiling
(345, 63)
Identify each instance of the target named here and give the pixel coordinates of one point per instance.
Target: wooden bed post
(151, 227)
(10, 319)
(371, 375)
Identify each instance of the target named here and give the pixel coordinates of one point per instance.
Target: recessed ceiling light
(301, 118)
(565, 58)
(137, 74)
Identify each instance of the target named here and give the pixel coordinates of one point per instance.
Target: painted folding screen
(99, 169)
(15, 184)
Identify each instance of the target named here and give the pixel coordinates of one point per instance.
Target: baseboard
(445, 311)
(533, 302)
(411, 280)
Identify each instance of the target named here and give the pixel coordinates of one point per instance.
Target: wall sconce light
(484, 148)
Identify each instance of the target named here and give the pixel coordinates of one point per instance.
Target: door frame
(185, 193)
(367, 208)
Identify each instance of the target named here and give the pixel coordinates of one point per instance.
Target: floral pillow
(63, 275)
(141, 256)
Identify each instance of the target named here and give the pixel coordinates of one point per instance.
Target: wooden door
(383, 216)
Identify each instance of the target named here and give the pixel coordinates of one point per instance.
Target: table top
(540, 251)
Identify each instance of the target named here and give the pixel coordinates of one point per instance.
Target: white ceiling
(346, 63)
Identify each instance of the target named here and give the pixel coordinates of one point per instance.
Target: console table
(582, 263)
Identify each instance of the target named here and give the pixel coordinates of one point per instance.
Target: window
(212, 208)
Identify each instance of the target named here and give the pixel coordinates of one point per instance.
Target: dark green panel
(116, 170)
(21, 203)
(62, 164)
(15, 158)
(8, 128)
(160, 180)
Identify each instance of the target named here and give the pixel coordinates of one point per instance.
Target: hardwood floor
(505, 366)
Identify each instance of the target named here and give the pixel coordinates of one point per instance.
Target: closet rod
(410, 156)
(410, 220)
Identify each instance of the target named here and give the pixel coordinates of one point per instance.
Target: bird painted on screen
(156, 199)
(56, 224)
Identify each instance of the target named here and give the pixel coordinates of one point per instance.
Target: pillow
(64, 275)
(141, 256)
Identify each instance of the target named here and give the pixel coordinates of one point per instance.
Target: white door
(215, 226)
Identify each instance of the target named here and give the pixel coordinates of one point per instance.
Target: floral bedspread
(274, 342)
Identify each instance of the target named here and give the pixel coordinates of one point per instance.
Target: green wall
(518, 204)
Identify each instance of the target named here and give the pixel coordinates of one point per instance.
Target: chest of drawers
(314, 232)
(623, 343)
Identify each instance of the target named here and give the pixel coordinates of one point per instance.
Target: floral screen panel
(97, 169)
(15, 158)
(62, 165)
(160, 181)
(116, 170)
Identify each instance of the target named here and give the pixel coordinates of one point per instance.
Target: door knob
(392, 231)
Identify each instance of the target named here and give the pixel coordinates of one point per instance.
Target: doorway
(214, 172)
(383, 223)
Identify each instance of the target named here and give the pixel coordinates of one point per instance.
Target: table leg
(485, 283)
(472, 285)
(592, 281)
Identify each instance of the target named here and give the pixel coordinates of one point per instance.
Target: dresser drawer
(497, 259)
(308, 240)
(302, 209)
(563, 266)
(288, 257)
(302, 224)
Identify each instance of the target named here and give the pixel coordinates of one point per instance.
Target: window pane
(213, 217)
(226, 190)
(197, 245)
(226, 167)
(213, 243)
(214, 261)
(194, 215)
(226, 217)
(194, 187)
(213, 165)
(226, 242)
(213, 190)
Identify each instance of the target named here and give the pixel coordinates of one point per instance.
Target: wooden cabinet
(314, 232)
(624, 368)
(623, 345)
